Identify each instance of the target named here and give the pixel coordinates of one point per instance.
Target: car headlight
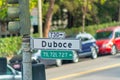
(108, 45)
(104, 45)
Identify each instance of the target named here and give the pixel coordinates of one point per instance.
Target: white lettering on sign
(54, 44)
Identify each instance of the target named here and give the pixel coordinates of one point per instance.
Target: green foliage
(3, 15)
(108, 11)
(3, 10)
(9, 46)
(35, 35)
(68, 3)
(90, 29)
(45, 5)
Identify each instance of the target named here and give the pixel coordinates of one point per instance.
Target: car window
(83, 39)
(104, 35)
(9, 71)
(117, 34)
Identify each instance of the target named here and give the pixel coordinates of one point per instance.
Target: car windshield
(104, 35)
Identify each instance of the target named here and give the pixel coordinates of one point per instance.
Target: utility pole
(25, 32)
(40, 18)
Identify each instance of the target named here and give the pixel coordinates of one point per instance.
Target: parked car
(88, 45)
(16, 62)
(11, 74)
(108, 40)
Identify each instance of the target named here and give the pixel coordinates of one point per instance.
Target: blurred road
(103, 68)
(109, 74)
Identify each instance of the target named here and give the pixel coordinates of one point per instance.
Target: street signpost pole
(25, 32)
(27, 66)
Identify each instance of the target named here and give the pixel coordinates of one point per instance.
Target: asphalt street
(108, 74)
(103, 68)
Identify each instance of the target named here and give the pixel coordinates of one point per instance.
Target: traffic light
(13, 12)
(18, 16)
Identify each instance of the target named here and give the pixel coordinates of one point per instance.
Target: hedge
(9, 46)
(90, 29)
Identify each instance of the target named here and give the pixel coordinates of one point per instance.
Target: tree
(109, 11)
(82, 11)
(3, 10)
(88, 9)
(48, 18)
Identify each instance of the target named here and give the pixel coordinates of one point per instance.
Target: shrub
(90, 29)
(9, 46)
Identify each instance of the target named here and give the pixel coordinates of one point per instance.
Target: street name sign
(57, 54)
(56, 35)
(56, 44)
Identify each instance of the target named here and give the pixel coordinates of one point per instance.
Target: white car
(11, 74)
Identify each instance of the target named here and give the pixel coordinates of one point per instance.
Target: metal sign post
(25, 32)
(27, 66)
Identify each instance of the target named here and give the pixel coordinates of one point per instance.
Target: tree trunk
(119, 12)
(48, 18)
(83, 22)
(84, 15)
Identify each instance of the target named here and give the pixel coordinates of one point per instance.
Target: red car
(108, 40)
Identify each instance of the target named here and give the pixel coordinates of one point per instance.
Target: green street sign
(57, 54)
